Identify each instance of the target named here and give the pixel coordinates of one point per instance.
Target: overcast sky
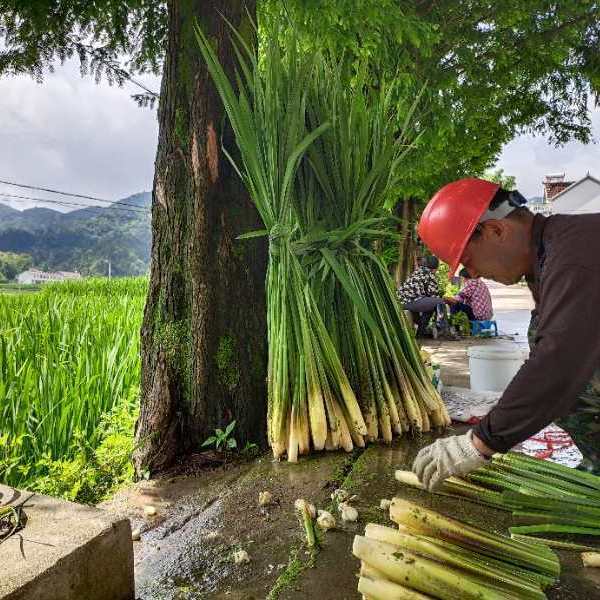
(72, 134)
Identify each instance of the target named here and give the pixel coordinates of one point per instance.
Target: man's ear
(497, 229)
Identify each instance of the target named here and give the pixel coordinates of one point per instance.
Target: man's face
(494, 252)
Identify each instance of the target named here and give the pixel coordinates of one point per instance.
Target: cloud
(531, 158)
(72, 134)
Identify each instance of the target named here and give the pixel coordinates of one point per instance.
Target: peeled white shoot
(301, 504)
(419, 573)
(340, 495)
(306, 514)
(385, 504)
(240, 557)
(590, 559)
(149, 510)
(408, 478)
(348, 513)
(374, 584)
(325, 520)
(265, 498)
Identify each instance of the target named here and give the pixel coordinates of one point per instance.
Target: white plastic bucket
(493, 367)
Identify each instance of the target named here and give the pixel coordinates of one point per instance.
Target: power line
(11, 198)
(19, 198)
(116, 68)
(54, 191)
(142, 86)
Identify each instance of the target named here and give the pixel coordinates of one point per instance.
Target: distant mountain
(82, 240)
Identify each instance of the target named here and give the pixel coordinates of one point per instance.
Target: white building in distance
(33, 276)
(567, 197)
(581, 197)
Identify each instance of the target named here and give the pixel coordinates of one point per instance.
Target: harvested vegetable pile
(319, 159)
(544, 497)
(431, 556)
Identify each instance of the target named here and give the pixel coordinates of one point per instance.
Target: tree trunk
(407, 245)
(204, 329)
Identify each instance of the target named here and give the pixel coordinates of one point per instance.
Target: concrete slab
(186, 550)
(67, 552)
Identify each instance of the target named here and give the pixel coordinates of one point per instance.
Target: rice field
(69, 355)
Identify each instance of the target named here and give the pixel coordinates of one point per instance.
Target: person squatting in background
(474, 299)
(420, 293)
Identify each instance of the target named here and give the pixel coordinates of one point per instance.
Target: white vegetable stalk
(429, 523)
(421, 574)
(305, 516)
(373, 585)
(343, 366)
(455, 557)
(240, 557)
(348, 513)
(265, 498)
(590, 559)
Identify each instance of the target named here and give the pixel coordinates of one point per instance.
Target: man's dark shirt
(566, 290)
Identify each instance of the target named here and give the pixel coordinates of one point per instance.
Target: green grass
(69, 375)
(18, 288)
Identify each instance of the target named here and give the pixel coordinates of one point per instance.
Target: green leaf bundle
(318, 160)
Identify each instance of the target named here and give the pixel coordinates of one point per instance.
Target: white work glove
(449, 456)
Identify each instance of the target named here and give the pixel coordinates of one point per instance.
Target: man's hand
(449, 456)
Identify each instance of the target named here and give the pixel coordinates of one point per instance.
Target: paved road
(512, 308)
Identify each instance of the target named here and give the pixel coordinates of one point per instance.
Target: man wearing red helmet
(489, 231)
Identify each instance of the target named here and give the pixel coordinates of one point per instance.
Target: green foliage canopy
(101, 33)
(11, 264)
(490, 69)
(507, 182)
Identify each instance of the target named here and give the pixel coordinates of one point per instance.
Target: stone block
(67, 552)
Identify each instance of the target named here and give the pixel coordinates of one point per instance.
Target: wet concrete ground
(512, 309)
(185, 551)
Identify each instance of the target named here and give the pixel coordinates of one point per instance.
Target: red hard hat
(451, 216)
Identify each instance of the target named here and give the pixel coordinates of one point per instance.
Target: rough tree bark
(406, 210)
(204, 328)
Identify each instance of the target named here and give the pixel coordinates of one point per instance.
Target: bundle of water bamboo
(545, 497)
(431, 556)
(319, 160)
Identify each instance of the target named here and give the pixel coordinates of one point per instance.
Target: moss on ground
(299, 560)
(356, 471)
